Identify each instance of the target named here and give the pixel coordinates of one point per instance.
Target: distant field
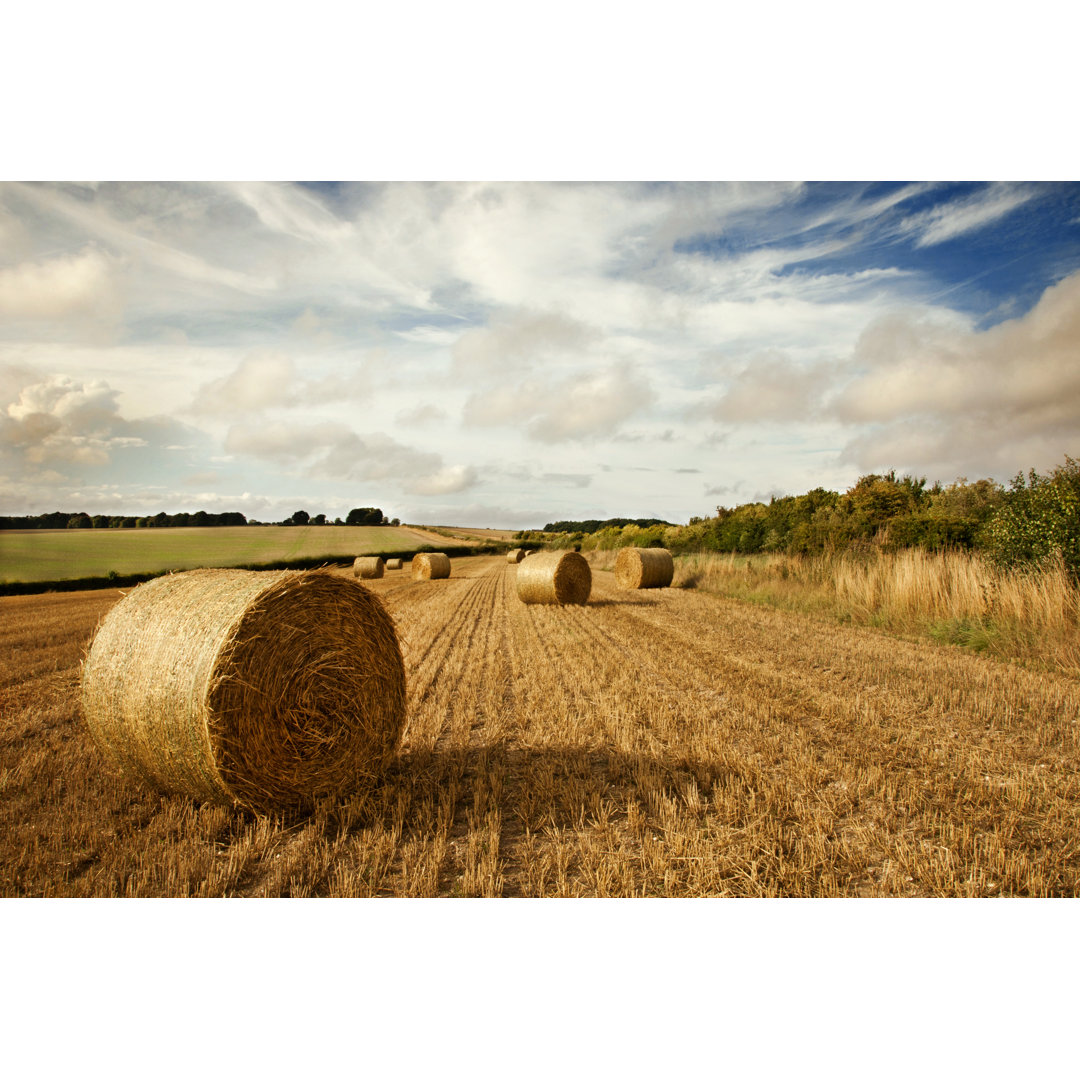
(54, 555)
(479, 534)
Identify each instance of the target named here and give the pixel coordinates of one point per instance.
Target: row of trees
(1034, 517)
(593, 525)
(61, 520)
(365, 515)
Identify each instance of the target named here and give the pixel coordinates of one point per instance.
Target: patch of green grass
(976, 636)
(46, 555)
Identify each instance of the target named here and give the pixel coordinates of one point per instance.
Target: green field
(56, 555)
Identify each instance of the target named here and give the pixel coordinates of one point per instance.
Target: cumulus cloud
(270, 380)
(521, 340)
(258, 382)
(937, 393)
(769, 387)
(420, 415)
(580, 407)
(63, 420)
(336, 451)
(446, 481)
(57, 430)
(83, 284)
(284, 442)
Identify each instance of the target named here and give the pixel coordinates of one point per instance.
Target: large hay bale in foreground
(430, 564)
(265, 690)
(393, 564)
(644, 568)
(368, 566)
(515, 555)
(554, 577)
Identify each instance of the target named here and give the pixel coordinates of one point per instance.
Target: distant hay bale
(644, 568)
(554, 577)
(368, 566)
(515, 555)
(393, 564)
(430, 564)
(263, 690)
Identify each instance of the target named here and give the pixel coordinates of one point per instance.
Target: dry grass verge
(953, 598)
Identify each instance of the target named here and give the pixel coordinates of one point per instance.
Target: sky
(506, 354)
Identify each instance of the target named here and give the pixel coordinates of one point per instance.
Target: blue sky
(506, 354)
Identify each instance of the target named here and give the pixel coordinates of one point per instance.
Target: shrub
(1039, 518)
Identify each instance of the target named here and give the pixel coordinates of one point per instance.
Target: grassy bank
(956, 597)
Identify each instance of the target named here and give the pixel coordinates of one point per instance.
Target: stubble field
(661, 743)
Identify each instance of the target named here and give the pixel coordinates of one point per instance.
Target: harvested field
(652, 743)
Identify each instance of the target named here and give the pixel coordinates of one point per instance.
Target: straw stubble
(264, 690)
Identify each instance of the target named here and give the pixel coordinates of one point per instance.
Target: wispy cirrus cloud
(956, 217)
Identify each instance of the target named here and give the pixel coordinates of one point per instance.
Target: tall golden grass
(954, 597)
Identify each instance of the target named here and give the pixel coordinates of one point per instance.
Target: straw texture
(554, 577)
(644, 568)
(515, 555)
(433, 564)
(264, 690)
(368, 566)
(393, 564)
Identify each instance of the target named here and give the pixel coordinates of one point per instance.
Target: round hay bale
(515, 555)
(644, 568)
(393, 564)
(554, 577)
(368, 566)
(430, 564)
(263, 690)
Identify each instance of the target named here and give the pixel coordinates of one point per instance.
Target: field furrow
(662, 742)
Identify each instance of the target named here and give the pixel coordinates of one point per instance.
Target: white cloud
(958, 216)
(282, 441)
(62, 420)
(334, 451)
(56, 430)
(270, 380)
(447, 481)
(581, 407)
(939, 395)
(519, 340)
(83, 285)
(420, 416)
(259, 382)
(769, 387)
(579, 480)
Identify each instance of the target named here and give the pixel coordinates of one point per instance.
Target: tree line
(1032, 518)
(364, 515)
(593, 525)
